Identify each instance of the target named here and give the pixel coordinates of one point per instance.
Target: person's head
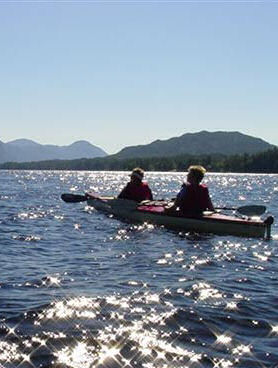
(137, 174)
(195, 174)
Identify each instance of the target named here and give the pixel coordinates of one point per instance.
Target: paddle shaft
(226, 208)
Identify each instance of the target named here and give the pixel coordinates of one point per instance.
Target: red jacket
(194, 199)
(136, 191)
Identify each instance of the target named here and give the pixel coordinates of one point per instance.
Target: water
(81, 289)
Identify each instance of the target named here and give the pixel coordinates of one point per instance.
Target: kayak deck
(212, 222)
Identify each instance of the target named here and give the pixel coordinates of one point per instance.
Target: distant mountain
(24, 150)
(201, 143)
(228, 143)
(3, 154)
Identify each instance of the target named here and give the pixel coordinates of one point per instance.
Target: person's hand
(169, 209)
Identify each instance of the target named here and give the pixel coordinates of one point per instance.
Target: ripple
(137, 329)
(27, 238)
(80, 288)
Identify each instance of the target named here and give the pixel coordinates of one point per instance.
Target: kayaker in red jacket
(193, 197)
(136, 189)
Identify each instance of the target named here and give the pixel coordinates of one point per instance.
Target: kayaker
(136, 189)
(193, 197)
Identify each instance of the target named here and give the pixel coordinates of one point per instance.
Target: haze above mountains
(227, 143)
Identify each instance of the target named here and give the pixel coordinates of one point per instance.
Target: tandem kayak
(153, 212)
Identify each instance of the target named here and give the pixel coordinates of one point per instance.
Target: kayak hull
(215, 223)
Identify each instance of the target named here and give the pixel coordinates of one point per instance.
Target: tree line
(264, 162)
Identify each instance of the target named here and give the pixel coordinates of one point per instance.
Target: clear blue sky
(121, 73)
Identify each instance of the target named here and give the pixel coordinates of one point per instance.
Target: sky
(123, 73)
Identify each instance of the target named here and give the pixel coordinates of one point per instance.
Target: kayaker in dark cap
(193, 197)
(136, 189)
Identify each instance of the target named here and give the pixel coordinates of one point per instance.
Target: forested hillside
(201, 143)
(264, 162)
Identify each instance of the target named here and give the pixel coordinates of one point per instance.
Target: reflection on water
(143, 330)
(81, 289)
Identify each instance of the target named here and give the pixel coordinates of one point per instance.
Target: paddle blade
(254, 210)
(73, 198)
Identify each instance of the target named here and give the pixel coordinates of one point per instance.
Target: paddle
(73, 198)
(252, 210)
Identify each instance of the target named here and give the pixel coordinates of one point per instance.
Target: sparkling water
(80, 289)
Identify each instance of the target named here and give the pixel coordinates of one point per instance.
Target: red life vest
(136, 191)
(196, 199)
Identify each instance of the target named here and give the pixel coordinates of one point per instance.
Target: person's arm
(210, 205)
(150, 194)
(172, 208)
(124, 193)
